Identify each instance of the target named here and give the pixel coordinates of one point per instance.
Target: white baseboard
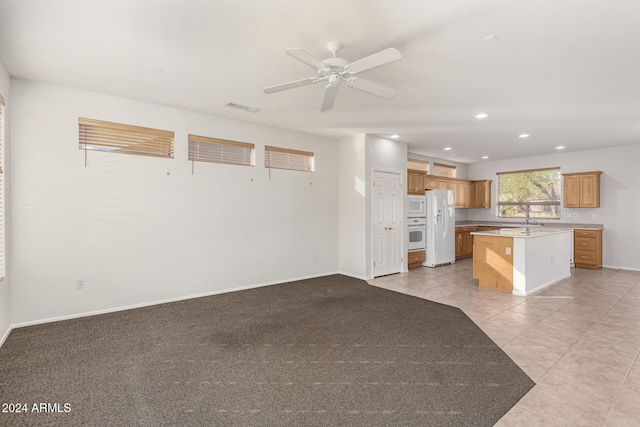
(164, 301)
(541, 287)
(6, 334)
(355, 276)
(621, 268)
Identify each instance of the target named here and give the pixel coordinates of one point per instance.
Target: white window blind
(205, 149)
(2, 204)
(444, 170)
(118, 138)
(285, 158)
(418, 165)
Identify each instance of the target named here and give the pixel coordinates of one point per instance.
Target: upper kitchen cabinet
(415, 182)
(581, 190)
(482, 194)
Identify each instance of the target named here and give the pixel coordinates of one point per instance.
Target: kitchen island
(521, 260)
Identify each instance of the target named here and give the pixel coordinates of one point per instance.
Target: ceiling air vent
(242, 107)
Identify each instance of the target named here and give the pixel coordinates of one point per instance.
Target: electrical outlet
(508, 250)
(635, 252)
(313, 256)
(80, 284)
(567, 214)
(594, 216)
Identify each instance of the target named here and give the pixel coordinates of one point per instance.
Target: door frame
(403, 243)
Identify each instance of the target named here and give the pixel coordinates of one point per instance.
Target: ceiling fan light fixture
(334, 69)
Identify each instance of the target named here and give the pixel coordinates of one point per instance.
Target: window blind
(444, 170)
(2, 204)
(205, 149)
(418, 165)
(285, 158)
(118, 138)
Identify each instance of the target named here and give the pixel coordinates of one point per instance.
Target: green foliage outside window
(534, 194)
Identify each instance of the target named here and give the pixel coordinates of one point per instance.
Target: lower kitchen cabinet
(587, 248)
(464, 241)
(416, 258)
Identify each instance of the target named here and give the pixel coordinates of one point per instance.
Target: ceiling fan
(335, 69)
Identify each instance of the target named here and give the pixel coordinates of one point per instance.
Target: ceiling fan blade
(329, 97)
(377, 59)
(290, 85)
(372, 88)
(304, 56)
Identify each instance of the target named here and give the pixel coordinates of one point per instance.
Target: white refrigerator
(441, 228)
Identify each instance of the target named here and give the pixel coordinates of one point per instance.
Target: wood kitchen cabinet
(587, 248)
(581, 190)
(430, 182)
(464, 241)
(415, 182)
(416, 258)
(482, 194)
(466, 193)
(458, 241)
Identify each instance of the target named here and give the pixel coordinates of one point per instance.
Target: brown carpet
(332, 351)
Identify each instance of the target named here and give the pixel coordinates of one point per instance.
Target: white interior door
(387, 223)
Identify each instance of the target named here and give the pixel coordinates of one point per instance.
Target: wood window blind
(2, 201)
(118, 138)
(285, 158)
(213, 150)
(444, 170)
(418, 165)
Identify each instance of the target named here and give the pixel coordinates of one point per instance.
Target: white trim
(621, 268)
(541, 287)
(354, 276)
(164, 301)
(6, 335)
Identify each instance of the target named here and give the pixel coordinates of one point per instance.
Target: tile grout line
(626, 376)
(615, 399)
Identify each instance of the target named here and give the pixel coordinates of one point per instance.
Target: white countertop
(523, 232)
(545, 225)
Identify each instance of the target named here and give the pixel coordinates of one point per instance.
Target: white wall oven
(416, 206)
(416, 229)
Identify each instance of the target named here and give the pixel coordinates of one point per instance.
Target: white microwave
(416, 206)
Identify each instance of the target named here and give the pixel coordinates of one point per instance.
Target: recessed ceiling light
(482, 116)
(395, 136)
(485, 157)
(447, 148)
(523, 135)
(560, 147)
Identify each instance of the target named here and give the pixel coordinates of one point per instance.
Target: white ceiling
(566, 72)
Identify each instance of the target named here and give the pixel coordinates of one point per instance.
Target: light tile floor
(579, 340)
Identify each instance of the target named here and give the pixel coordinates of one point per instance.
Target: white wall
(619, 203)
(383, 154)
(137, 234)
(5, 286)
(352, 206)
